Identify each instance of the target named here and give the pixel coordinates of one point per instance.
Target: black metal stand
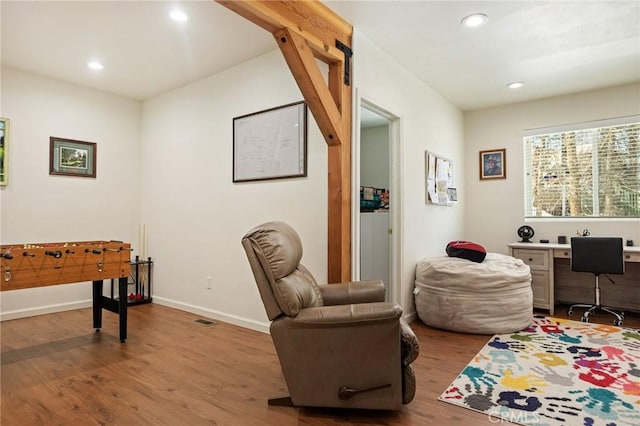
(141, 283)
(118, 306)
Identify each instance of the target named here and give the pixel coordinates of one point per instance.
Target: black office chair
(598, 255)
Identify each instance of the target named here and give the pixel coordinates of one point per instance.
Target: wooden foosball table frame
(46, 264)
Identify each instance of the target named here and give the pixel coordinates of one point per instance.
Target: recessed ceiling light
(515, 85)
(474, 20)
(178, 15)
(95, 65)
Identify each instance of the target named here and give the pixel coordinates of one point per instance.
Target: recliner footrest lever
(281, 402)
(346, 392)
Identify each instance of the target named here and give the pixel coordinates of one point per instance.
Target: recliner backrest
(274, 250)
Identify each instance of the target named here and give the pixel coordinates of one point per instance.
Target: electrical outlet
(209, 283)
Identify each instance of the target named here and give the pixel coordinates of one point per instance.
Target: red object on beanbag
(467, 250)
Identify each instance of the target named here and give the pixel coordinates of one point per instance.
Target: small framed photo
(270, 144)
(4, 151)
(493, 164)
(453, 194)
(69, 157)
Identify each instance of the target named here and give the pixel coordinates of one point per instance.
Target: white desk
(552, 282)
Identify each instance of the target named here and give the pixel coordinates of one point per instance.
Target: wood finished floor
(174, 371)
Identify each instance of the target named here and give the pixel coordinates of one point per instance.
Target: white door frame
(394, 291)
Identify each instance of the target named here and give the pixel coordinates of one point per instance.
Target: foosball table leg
(119, 306)
(122, 308)
(97, 304)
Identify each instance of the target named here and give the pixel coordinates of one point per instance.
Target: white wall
(195, 216)
(428, 122)
(38, 207)
(495, 209)
(374, 156)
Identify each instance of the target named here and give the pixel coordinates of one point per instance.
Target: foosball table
(45, 264)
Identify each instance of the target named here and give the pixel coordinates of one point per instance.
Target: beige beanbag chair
(485, 298)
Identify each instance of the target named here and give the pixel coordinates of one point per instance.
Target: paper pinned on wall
(433, 196)
(439, 178)
(443, 169)
(431, 166)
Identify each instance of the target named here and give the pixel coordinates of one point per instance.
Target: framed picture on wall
(4, 151)
(453, 194)
(493, 164)
(270, 144)
(69, 157)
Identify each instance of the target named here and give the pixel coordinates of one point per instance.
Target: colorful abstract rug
(556, 372)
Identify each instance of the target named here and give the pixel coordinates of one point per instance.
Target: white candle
(142, 241)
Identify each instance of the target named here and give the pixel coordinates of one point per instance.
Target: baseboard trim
(43, 310)
(211, 313)
(262, 327)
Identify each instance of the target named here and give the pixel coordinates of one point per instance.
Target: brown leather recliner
(339, 345)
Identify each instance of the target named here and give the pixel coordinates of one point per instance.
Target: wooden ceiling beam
(307, 31)
(303, 66)
(315, 22)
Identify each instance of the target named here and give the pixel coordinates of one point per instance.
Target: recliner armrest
(345, 315)
(352, 292)
(409, 342)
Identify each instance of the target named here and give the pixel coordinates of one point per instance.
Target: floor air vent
(205, 322)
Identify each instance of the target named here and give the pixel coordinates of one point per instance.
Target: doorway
(377, 205)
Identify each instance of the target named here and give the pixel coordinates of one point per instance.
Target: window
(591, 170)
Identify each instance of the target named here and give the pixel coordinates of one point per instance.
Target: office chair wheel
(585, 318)
(617, 322)
(569, 312)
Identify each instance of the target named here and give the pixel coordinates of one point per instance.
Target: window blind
(593, 171)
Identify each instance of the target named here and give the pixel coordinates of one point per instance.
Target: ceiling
(554, 47)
